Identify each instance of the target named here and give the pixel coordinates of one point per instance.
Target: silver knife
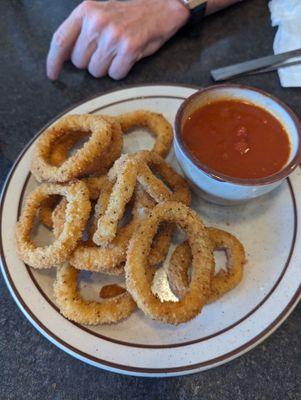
(263, 64)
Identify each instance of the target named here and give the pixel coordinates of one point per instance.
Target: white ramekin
(220, 188)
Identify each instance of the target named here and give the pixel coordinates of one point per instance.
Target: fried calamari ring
(223, 281)
(155, 187)
(105, 162)
(124, 172)
(78, 164)
(88, 312)
(177, 271)
(161, 243)
(202, 264)
(77, 214)
(95, 184)
(104, 259)
(144, 203)
(61, 148)
(159, 191)
(59, 217)
(46, 208)
(155, 123)
(109, 259)
(109, 291)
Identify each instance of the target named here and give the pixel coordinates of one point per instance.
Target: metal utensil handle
(276, 66)
(252, 65)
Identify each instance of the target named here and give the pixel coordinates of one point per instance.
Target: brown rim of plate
(282, 174)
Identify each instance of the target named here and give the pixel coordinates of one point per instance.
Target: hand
(109, 37)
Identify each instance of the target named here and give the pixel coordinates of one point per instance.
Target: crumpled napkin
(286, 14)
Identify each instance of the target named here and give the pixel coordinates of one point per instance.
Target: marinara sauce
(237, 139)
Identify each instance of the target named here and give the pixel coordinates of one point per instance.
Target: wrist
(180, 9)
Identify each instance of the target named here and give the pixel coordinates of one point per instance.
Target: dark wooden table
(33, 368)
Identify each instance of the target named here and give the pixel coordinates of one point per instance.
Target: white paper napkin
(287, 15)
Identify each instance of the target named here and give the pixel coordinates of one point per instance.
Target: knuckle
(116, 33)
(59, 38)
(86, 6)
(131, 46)
(99, 21)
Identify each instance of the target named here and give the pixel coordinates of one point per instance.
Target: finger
(151, 48)
(100, 61)
(121, 65)
(83, 49)
(105, 52)
(62, 43)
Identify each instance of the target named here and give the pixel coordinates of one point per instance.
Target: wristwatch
(195, 6)
(197, 9)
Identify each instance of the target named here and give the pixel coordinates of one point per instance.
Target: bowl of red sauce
(235, 143)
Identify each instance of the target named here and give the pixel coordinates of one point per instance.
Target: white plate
(270, 289)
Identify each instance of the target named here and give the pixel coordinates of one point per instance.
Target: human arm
(109, 37)
(217, 5)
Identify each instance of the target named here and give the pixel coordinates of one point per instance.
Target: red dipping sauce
(237, 139)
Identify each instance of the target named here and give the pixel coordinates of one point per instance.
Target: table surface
(32, 367)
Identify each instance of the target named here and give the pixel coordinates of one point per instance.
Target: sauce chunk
(237, 139)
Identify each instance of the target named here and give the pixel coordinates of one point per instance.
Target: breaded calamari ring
(110, 258)
(144, 203)
(112, 290)
(107, 159)
(60, 149)
(59, 217)
(177, 271)
(152, 121)
(77, 213)
(88, 312)
(78, 164)
(104, 259)
(95, 184)
(46, 208)
(101, 204)
(129, 168)
(125, 182)
(223, 281)
(161, 242)
(158, 190)
(155, 187)
(202, 264)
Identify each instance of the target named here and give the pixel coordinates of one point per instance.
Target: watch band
(197, 9)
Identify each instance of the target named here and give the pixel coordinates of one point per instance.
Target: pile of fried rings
(85, 196)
